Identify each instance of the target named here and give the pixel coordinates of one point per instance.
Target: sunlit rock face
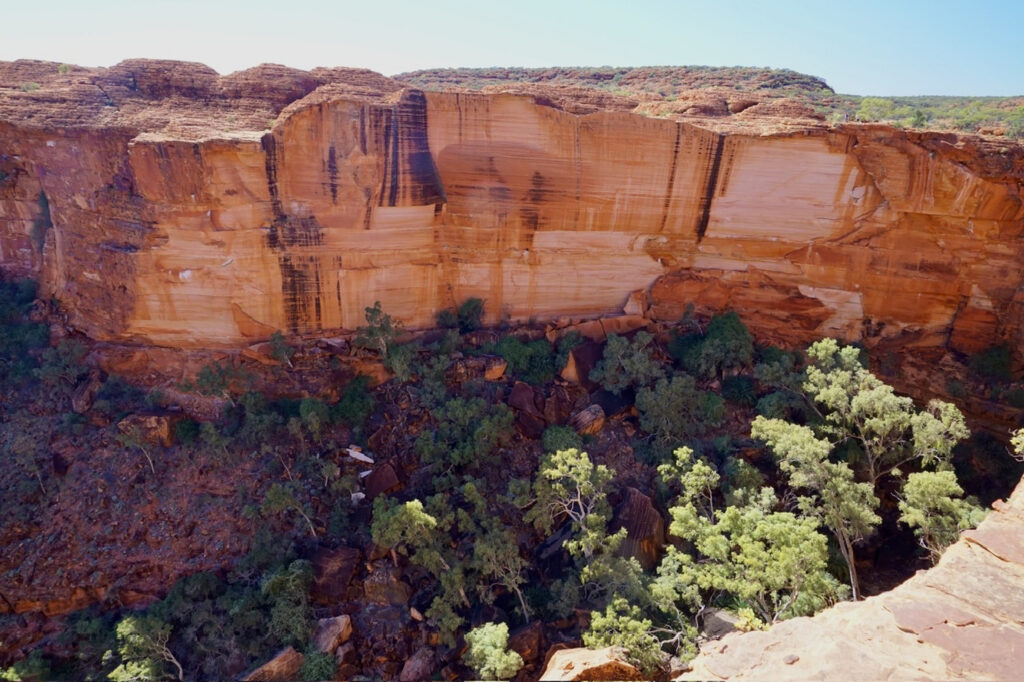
(164, 204)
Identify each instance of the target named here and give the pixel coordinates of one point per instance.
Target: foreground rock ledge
(962, 620)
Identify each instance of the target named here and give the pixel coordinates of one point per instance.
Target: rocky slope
(164, 204)
(959, 620)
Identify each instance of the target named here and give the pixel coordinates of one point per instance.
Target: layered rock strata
(164, 204)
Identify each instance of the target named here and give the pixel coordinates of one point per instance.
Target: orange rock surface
(167, 205)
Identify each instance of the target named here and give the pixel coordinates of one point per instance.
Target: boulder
(381, 480)
(637, 304)
(718, 622)
(495, 369)
(526, 398)
(582, 360)
(527, 641)
(283, 667)
(153, 429)
(332, 632)
(589, 420)
(85, 393)
(590, 664)
(384, 585)
(419, 667)
(332, 572)
(644, 526)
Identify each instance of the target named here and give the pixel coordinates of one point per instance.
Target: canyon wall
(192, 210)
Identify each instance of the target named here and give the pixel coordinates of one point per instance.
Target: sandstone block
(332, 632)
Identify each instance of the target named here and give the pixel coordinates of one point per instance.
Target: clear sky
(869, 47)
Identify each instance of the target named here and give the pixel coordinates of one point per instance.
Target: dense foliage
(494, 524)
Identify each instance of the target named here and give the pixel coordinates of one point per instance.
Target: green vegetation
(627, 364)
(532, 361)
(468, 317)
(488, 653)
(489, 521)
(932, 505)
(676, 409)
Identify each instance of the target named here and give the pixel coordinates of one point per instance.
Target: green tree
(886, 428)
(280, 350)
(932, 504)
(726, 346)
(623, 625)
(287, 590)
(831, 495)
(142, 644)
(675, 409)
(876, 109)
(775, 562)
(380, 331)
(280, 498)
(488, 652)
(627, 364)
(569, 486)
(468, 431)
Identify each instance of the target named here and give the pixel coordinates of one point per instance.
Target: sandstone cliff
(165, 204)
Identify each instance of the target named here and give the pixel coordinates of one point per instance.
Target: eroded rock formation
(165, 204)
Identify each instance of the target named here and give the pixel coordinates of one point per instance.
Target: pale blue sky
(870, 47)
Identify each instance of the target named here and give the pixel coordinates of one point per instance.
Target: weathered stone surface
(332, 632)
(85, 393)
(589, 664)
(588, 421)
(958, 620)
(582, 360)
(332, 572)
(153, 429)
(283, 667)
(384, 585)
(176, 216)
(644, 526)
(419, 667)
(381, 480)
(527, 641)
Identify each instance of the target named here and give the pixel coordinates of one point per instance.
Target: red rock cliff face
(170, 213)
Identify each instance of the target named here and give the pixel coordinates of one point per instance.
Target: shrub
(355, 405)
(186, 431)
(992, 364)
(318, 666)
(470, 315)
(675, 410)
(782, 405)
(380, 331)
(565, 346)
(315, 415)
(280, 350)
(727, 345)
(532, 362)
(18, 336)
(488, 652)
(627, 364)
(557, 438)
(468, 431)
(739, 390)
(62, 366)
